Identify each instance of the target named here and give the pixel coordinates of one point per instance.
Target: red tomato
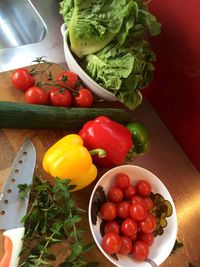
(147, 238)
(149, 203)
(108, 211)
(115, 194)
(129, 192)
(129, 227)
(138, 199)
(123, 209)
(138, 211)
(143, 188)
(122, 180)
(36, 95)
(140, 250)
(22, 79)
(59, 97)
(68, 79)
(126, 245)
(112, 226)
(111, 243)
(84, 98)
(148, 224)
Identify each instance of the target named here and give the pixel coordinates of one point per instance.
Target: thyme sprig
(52, 219)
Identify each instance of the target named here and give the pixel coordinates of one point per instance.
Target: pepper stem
(98, 151)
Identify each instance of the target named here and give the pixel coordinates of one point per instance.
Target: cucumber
(27, 116)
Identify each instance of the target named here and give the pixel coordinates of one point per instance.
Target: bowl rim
(120, 168)
(65, 33)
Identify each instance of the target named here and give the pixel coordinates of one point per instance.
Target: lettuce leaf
(93, 24)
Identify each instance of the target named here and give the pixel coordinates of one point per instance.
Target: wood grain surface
(166, 159)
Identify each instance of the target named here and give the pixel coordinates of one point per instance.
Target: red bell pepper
(110, 136)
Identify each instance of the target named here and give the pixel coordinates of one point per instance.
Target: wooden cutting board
(12, 139)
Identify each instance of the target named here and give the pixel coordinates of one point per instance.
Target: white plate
(163, 244)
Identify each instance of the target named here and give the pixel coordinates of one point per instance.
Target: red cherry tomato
(129, 192)
(123, 209)
(138, 211)
(143, 188)
(149, 203)
(84, 98)
(68, 79)
(147, 238)
(108, 211)
(111, 243)
(148, 224)
(115, 194)
(22, 79)
(140, 250)
(112, 226)
(59, 97)
(36, 95)
(137, 199)
(126, 245)
(122, 180)
(129, 227)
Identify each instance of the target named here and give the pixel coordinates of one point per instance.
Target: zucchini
(27, 116)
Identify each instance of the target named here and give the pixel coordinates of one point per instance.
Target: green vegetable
(141, 138)
(110, 37)
(93, 24)
(26, 116)
(52, 219)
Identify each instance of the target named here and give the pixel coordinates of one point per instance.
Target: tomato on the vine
(60, 97)
(140, 250)
(111, 242)
(22, 79)
(84, 98)
(108, 211)
(68, 79)
(36, 95)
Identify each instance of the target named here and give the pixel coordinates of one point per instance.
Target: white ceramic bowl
(75, 67)
(163, 244)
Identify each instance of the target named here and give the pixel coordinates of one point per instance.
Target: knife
(12, 207)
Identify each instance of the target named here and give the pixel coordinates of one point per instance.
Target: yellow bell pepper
(69, 159)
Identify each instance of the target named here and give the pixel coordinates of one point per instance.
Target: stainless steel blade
(12, 207)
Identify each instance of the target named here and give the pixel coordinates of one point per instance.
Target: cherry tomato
(68, 78)
(126, 245)
(129, 227)
(123, 209)
(138, 211)
(148, 224)
(36, 95)
(115, 194)
(112, 226)
(149, 203)
(147, 238)
(140, 250)
(122, 180)
(143, 188)
(22, 79)
(60, 97)
(129, 192)
(111, 242)
(84, 98)
(137, 199)
(108, 211)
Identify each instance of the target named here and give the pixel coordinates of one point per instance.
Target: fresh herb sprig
(53, 218)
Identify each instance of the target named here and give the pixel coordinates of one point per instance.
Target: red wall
(175, 90)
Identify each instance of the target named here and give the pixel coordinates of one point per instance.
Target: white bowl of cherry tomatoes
(132, 217)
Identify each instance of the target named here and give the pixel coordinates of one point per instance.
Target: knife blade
(12, 207)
